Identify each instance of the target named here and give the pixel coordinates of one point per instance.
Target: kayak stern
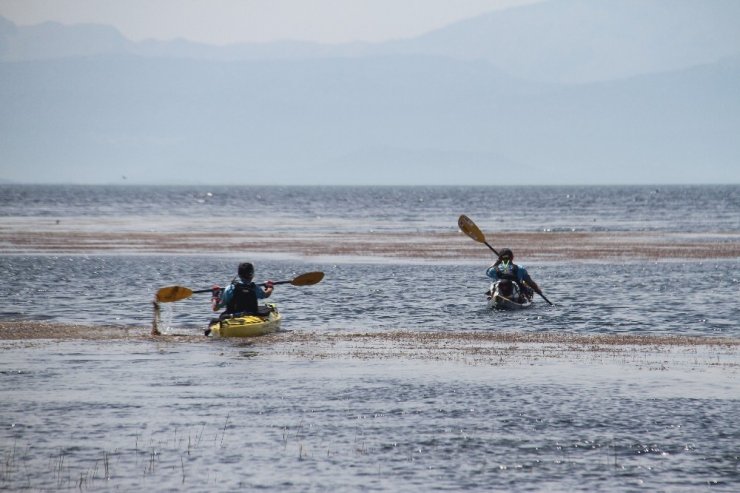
(246, 325)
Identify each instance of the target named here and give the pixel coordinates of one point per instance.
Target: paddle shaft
(203, 291)
(544, 298)
(492, 249)
(176, 293)
(539, 293)
(264, 284)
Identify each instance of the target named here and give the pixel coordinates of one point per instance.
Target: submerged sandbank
(442, 246)
(470, 347)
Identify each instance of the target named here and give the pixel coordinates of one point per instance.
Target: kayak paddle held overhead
(468, 227)
(170, 294)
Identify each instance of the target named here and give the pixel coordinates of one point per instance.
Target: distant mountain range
(568, 41)
(566, 91)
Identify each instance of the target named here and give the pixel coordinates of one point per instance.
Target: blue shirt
(228, 293)
(495, 272)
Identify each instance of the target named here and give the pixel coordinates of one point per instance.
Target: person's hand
(269, 284)
(215, 297)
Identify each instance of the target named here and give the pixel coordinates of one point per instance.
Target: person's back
(244, 299)
(242, 295)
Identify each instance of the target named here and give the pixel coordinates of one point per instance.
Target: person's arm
(266, 292)
(492, 272)
(524, 276)
(226, 296)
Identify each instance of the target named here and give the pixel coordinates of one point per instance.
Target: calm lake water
(190, 413)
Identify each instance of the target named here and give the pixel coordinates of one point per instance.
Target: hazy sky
(232, 21)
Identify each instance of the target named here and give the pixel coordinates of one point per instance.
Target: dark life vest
(244, 299)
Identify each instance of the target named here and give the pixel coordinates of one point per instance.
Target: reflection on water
(200, 416)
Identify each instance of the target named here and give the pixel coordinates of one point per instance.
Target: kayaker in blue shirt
(505, 269)
(242, 294)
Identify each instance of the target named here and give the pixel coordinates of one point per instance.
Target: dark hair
(246, 270)
(506, 252)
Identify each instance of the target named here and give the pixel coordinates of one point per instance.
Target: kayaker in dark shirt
(505, 269)
(242, 295)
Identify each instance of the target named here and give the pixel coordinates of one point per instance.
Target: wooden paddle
(177, 293)
(468, 227)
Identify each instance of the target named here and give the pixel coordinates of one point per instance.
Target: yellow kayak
(247, 325)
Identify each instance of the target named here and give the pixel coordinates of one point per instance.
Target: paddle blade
(468, 227)
(307, 279)
(173, 293)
